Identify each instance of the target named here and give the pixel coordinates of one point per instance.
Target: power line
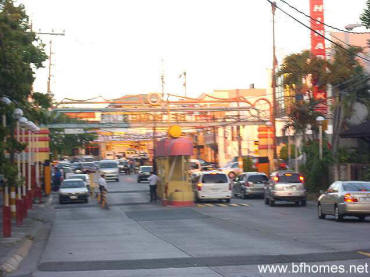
(327, 25)
(316, 32)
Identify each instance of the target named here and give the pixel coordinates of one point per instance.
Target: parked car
(212, 185)
(63, 164)
(73, 190)
(232, 169)
(250, 184)
(83, 177)
(144, 173)
(345, 198)
(110, 169)
(76, 167)
(285, 186)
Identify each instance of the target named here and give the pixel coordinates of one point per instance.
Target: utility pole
(184, 84)
(52, 33)
(240, 154)
(273, 83)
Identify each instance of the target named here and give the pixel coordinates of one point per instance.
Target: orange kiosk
(172, 161)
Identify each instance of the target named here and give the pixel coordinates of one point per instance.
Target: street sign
(74, 131)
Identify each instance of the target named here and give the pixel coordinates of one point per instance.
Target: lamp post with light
(320, 120)
(16, 191)
(7, 226)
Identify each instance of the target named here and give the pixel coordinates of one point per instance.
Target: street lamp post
(320, 119)
(24, 123)
(7, 227)
(268, 124)
(17, 191)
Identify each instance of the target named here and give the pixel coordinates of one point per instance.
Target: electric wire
(327, 25)
(316, 32)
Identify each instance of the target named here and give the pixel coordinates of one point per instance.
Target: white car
(83, 177)
(212, 185)
(72, 190)
(110, 169)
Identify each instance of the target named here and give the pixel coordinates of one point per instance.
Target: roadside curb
(16, 256)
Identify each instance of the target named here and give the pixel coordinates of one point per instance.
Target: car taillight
(199, 186)
(276, 179)
(301, 178)
(349, 198)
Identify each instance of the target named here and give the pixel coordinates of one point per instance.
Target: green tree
(20, 54)
(365, 17)
(284, 152)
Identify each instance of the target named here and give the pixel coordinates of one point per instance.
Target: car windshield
(146, 168)
(88, 164)
(72, 185)
(82, 177)
(258, 178)
(108, 165)
(289, 178)
(356, 186)
(123, 163)
(214, 178)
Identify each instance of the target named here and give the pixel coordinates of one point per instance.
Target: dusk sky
(115, 47)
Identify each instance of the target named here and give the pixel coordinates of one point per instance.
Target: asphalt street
(137, 238)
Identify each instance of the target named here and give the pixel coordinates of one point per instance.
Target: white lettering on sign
(319, 45)
(318, 8)
(321, 32)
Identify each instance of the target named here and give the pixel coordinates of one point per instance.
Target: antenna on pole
(52, 33)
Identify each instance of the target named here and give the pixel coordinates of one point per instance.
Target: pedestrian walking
(153, 180)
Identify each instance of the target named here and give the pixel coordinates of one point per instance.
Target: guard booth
(172, 163)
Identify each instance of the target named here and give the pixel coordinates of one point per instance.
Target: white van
(212, 185)
(110, 169)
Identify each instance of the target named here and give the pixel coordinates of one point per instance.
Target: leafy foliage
(20, 54)
(284, 152)
(316, 171)
(248, 164)
(365, 17)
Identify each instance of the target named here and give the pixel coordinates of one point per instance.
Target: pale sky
(114, 47)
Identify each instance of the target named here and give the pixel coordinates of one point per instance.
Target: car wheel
(138, 181)
(117, 180)
(60, 201)
(304, 203)
(87, 200)
(361, 218)
(227, 200)
(267, 201)
(319, 212)
(338, 216)
(296, 203)
(272, 202)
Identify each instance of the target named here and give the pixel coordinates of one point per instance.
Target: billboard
(318, 48)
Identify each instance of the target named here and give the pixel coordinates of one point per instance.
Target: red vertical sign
(318, 46)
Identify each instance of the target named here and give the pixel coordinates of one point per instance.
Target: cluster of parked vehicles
(343, 198)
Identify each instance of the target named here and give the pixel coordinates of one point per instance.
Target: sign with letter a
(318, 47)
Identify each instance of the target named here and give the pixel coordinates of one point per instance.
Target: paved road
(137, 238)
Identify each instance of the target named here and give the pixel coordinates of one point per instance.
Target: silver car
(72, 190)
(345, 198)
(285, 186)
(110, 169)
(250, 184)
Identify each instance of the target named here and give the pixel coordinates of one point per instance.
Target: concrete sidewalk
(15, 248)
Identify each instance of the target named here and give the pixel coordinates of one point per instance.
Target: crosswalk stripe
(221, 205)
(245, 205)
(200, 206)
(209, 205)
(364, 253)
(234, 205)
